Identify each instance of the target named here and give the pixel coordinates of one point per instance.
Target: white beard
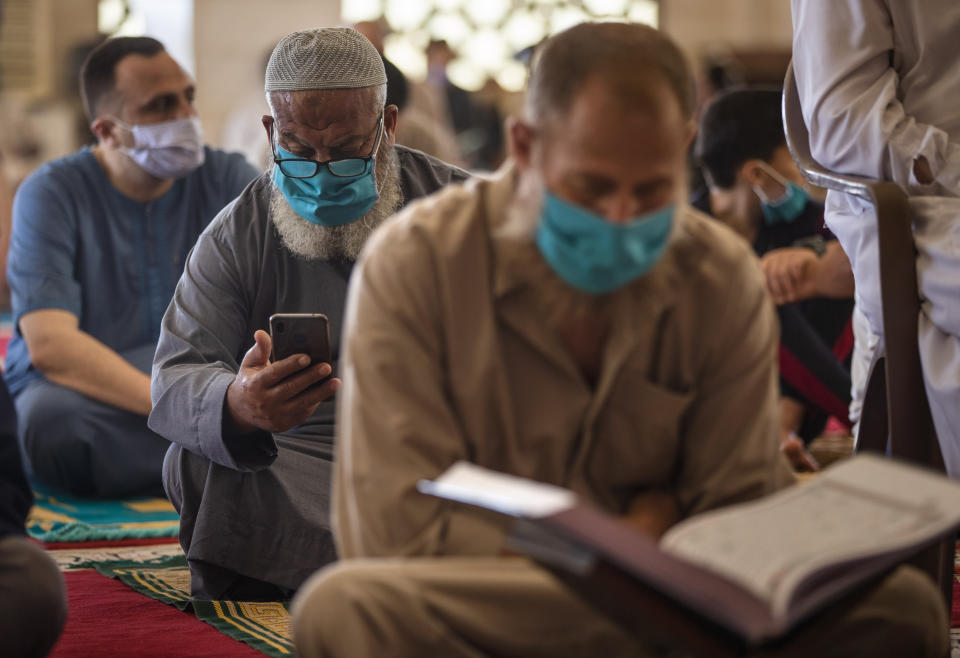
(317, 242)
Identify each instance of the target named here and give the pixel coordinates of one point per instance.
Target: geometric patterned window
(485, 34)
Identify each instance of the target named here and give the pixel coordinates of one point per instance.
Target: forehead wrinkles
(334, 112)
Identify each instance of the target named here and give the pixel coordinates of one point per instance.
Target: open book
(755, 569)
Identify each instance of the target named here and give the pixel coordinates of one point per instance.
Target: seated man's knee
(910, 609)
(346, 609)
(171, 475)
(33, 606)
(902, 615)
(57, 450)
(185, 476)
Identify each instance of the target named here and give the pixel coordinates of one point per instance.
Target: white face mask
(171, 149)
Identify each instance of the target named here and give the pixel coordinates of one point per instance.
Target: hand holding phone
(300, 333)
(276, 396)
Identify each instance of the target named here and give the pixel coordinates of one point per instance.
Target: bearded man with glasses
(249, 467)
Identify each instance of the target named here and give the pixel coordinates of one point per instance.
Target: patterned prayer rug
(160, 573)
(264, 626)
(107, 619)
(60, 517)
(83, 556)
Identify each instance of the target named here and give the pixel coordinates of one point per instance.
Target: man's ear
(752, 172)
(391, 114)
(267, 122)
(105, 131)
(520, 141)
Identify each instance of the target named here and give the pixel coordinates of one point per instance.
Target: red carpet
(955, 613)
(111, 543)
(107, 618)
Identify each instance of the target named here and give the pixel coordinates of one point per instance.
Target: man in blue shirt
(99, 240)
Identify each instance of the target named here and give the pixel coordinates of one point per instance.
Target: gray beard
(342, 243)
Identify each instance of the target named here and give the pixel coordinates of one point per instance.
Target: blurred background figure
(396, 80)
(242, 130)
(756, 189)
(719, 70)
(421, 125)
(476, 123)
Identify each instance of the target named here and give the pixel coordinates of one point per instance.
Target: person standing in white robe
(879, 85)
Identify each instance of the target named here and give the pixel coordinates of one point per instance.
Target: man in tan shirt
(574, 322)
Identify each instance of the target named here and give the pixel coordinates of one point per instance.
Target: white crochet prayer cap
(324, 58)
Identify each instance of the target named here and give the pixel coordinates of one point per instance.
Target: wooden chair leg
(874, 427)
(948, 549)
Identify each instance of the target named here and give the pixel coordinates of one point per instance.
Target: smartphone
(300, 333)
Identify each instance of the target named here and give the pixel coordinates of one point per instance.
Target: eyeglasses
(305, 168)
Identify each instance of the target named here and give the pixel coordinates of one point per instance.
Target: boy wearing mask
(756, 189)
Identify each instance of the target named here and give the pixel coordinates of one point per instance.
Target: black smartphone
(300, 333)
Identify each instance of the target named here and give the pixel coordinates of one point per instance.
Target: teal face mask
(788, 208)
(595, 255)
(325, 198)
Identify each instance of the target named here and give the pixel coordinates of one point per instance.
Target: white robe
(879, 84)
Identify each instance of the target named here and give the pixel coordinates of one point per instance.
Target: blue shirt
(80, 245)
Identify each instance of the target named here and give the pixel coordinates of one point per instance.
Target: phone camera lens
(279, 327)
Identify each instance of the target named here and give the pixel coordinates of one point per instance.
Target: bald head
(635, 63)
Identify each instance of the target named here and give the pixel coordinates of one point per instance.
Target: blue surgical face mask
(789, 207)
(325, 198)
(594, 254)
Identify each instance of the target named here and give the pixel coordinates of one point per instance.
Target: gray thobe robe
(256, 505)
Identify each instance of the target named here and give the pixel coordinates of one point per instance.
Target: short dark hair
(742, 124)
(627, 55)
(97, 75)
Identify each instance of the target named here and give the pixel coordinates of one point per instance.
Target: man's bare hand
(275, 396)
(652, 513)
(922, 171)
(791, 274)
(796, 452)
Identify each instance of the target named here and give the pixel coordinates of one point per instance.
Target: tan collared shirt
(448, 357)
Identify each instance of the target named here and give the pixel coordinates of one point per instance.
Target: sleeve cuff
(948, 173)
(250, 452)
(44, 305)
